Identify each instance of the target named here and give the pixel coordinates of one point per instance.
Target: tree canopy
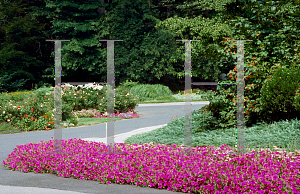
(149, 51)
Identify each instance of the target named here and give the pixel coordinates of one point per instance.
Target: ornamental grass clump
(203, 169)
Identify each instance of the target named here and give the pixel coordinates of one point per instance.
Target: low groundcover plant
(205, 169)
(96, 114)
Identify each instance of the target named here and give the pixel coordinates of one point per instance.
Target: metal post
(110, 124)
(188, 138)
(57, 98)
(240, 95)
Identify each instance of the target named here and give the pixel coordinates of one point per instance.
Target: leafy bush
(86, 98)
(29, 113)
(297, 100)
(223, 103)
(128, 85)
(66, 111)
(34, 110)
(165, 98)
(203, 120)
(81, 98)
(7, 85)
(145, 91)
(278, 94)
(125, 101)
(15, 96)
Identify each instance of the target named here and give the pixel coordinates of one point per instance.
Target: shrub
(203, 120)
(297, 100)
(165, 98)
(66, 111)
(128, 85)
(125, 102)
(223, 102)
(278, 94)
(7, 85)
(145, 91)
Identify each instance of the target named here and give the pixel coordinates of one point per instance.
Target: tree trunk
(169, 9)
(101, 10)
(149, 3)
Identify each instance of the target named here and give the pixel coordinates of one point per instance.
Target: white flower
(8, 120)
(3, 112)
(14, 106)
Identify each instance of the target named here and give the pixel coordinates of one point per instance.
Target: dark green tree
(21, 46)
(75, 21)
(142, 56)
(144, 53)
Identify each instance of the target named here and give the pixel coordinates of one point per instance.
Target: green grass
(283, 135)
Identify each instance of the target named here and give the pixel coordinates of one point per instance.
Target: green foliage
(76, 22)
(165, 98)
(84, 57)
(149, 54)
(278, 93)
(66, 111)
(125, 102)
(145, 91)
(126, 86)
(271, 26)
(203, 120)
(7, 85)
(22, 49)
(205, 63)
(296, 103)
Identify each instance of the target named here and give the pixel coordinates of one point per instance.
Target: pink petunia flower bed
(203, 170)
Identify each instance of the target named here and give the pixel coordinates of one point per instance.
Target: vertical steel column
(188, 138)
(240, 96)
(110, 124)
(57, 98)
(240, 125)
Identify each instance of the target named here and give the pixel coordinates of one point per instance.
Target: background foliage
(274, 28)
(149, 52)
(23, 52)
